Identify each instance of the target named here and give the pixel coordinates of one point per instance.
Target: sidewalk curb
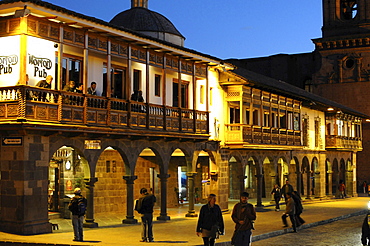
(284, 231)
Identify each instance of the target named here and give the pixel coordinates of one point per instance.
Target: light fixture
(330, 109)
(68, 165)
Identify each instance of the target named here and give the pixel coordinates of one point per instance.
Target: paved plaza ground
(180, 230)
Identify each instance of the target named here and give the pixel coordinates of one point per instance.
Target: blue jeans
(77, 222)
(147, 223)
(243, 238)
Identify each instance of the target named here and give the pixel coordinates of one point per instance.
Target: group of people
(211, 224)
(293, 208)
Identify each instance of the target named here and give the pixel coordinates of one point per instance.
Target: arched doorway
(67, 170)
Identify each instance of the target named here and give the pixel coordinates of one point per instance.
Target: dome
(150, 23)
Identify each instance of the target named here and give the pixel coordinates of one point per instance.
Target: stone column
(191, 212)
(330, 183)
(299, 183)
(163, 179)
(89, 220)
(130, 200)
(259, 190)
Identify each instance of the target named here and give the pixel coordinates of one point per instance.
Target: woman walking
(210, 221)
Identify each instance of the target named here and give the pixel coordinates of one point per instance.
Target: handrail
(81, 108)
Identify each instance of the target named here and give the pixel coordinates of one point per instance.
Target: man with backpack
(78, 206)
(144, 206)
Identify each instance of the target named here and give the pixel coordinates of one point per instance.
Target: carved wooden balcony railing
(26, 103)
(342, 142)
(249, 134)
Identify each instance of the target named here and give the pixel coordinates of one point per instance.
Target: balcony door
(184, 94)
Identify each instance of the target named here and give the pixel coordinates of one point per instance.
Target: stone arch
(336, 177)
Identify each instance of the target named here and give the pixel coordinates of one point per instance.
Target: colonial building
(177, 121)
(337, 69)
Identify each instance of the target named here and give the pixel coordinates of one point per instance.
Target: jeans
(277, 201)
(77, 222)
(243, 238)
(147, 223)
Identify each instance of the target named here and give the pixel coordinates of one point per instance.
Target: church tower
(139, 3)
(342, 61)
(345, 17)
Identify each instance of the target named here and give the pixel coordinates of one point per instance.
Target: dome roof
(144, 20)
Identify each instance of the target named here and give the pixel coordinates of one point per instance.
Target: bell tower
(342, 60)
(345, 17)
(139, 3)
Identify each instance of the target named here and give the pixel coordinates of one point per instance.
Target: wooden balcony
(43, 106)
(241, 134)
(344, 143)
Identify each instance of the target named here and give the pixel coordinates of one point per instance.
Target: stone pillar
(330, 183)
(299, 183)
(24, 186)
(259, 190)
(163, 179)
(308, 180)
(89, 220)
(130, 200)
(191, 212)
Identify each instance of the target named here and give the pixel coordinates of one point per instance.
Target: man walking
(78, 206)
(145, 207)
(243, 215)
(286, 188)
(289, 211)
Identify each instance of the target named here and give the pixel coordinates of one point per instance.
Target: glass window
(157, 85)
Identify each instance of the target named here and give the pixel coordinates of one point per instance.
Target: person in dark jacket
(244, 216)
(45, 83)
(210, 221)
(298, 208)
(145, 207)
(77, 214)
(286, 188)
(289, 212)
(365, 236)
(277, 196)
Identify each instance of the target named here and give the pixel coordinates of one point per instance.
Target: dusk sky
(227, 28)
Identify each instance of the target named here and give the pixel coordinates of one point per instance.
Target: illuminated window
(201, 94)
(137, 79)
(157, 85)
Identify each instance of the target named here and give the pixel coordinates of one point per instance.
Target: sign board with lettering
(40, 60)
(11, 141)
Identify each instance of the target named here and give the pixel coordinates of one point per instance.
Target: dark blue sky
(227, 28)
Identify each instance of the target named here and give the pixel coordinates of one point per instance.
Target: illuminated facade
(338, 68)
(204, 126)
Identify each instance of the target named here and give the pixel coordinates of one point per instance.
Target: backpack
(81, 206)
